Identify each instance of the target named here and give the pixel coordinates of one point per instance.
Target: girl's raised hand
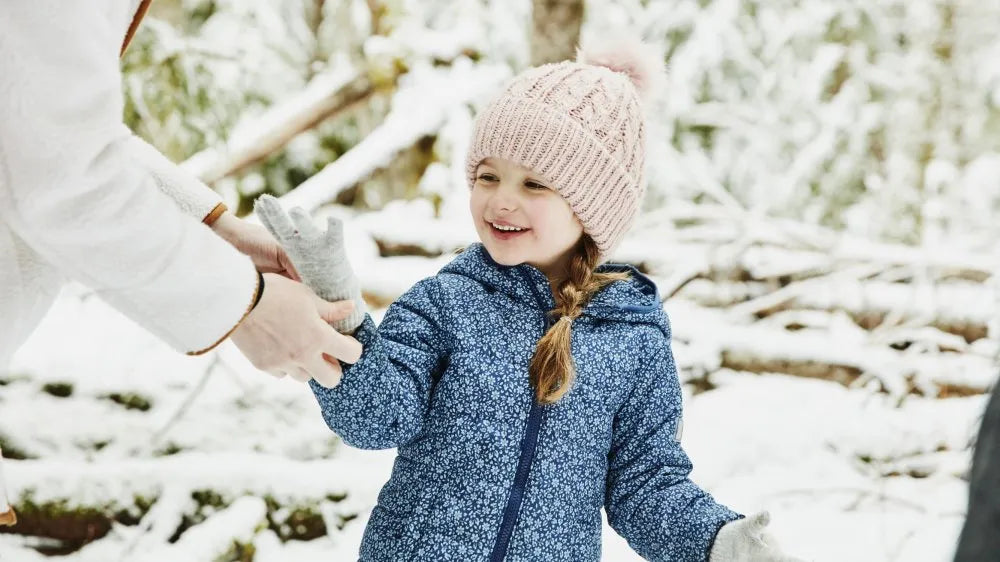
(318, 256)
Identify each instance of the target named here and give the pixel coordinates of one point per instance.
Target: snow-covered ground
(847, 474)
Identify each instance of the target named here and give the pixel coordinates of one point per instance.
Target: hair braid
(551, 370)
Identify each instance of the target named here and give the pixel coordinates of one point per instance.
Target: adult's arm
(190, 194)
(72, 188)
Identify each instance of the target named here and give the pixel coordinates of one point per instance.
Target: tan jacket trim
(139, 14)
(214, 214)
(8, 517)
(250, 308)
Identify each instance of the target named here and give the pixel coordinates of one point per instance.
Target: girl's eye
(487, 177)
(534, 185)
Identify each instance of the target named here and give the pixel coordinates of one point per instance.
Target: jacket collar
(634, 300)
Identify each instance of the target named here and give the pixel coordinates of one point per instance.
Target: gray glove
(744, 540)
(318, 256)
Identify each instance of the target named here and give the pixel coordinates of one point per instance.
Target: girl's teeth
(509, 228)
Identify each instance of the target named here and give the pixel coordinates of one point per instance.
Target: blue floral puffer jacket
(485, 473)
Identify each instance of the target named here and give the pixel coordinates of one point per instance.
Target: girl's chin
(504, 256)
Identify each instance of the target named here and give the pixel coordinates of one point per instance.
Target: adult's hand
(288, 333)
(255, 241)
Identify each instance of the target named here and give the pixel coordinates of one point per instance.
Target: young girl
(526, 385)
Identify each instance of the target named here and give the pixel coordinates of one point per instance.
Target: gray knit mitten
(744, 540)
(317, 255)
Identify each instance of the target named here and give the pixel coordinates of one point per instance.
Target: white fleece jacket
(79, 193)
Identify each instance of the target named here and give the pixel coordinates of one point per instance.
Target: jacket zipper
(529, 444)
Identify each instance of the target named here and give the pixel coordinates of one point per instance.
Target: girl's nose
(505, 205)
(503, 200)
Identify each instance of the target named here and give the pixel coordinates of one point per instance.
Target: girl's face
(506, 194)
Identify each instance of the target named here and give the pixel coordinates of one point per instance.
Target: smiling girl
(529, 383)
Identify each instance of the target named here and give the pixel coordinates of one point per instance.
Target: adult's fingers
(276, 373)
(325, 372)
(299, 374)
(345, 348)
(331, 312)
(288, 268)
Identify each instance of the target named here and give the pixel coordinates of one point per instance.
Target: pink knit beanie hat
(580, 125)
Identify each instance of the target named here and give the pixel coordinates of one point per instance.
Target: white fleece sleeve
(72, 189)
(192, 196)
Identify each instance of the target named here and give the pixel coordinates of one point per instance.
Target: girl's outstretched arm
(649, 499)
(382, 399)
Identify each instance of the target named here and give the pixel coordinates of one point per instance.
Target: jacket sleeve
(382, 399)
(72, 188)
(650, 501)
(190, 194)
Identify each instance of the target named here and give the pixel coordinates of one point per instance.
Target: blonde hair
(551, 370)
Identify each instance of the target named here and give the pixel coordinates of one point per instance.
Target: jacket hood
(635, 300)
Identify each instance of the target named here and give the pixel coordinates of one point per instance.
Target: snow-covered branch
(251, 141)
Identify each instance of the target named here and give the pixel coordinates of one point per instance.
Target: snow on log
(215, 536)
(419, 108)
(326, 94)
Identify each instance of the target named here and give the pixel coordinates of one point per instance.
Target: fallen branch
(160, 522)
(717, 225)
(815, 353)
(417, 111)
(216, 535)
(796, 289)
(326, 95)
(961, 308)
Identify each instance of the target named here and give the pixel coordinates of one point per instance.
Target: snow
(830, 143)
(419, 108)
(248, 135)
(214, 537)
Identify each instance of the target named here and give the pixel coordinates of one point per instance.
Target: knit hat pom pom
(641, 62)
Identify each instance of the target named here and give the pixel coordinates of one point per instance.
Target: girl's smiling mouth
(502, 230)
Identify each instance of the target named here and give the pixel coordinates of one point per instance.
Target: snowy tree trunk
(555, 30)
